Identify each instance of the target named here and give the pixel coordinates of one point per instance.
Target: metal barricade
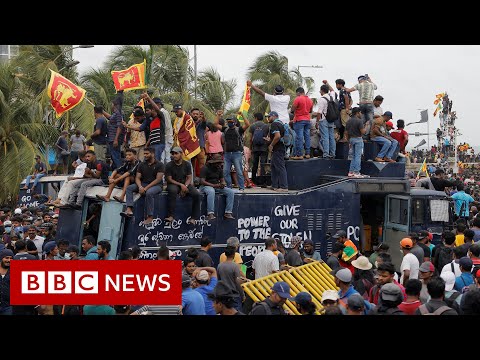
(313, 278)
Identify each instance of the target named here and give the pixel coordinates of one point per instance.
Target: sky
(407, 76)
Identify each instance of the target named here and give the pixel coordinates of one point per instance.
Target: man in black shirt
(97, 171)
(40, 171)
(259, 146)
(233, 152)
(277, 165)
(354, 130)
(273, 305)
(123, 176)
(212, 181)
(179, 178)
(439, 182)
(148, 182)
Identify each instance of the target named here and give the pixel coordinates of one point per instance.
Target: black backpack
(445, 256)
(257, 138)
(332, 113)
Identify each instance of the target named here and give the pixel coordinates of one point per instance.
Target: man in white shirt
(377, 109)
(410, 265)
(168, 132)
(37, 240)
(266, 262)
(278, 102)
(68, 186)
(454, 266)
(326, 128)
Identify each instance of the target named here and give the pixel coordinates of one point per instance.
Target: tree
(215, 92)
(269, 70)
(23, 131)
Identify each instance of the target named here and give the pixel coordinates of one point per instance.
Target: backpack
(452, 299)
(257, 138)
(239, 144)
(267, 308)
(424, 311)
(287, 137)
(332, 113)
(445, 256)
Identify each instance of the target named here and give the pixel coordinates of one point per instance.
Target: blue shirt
(200, 127)
(477, 235)
(192, 303)
(463, 280)
(344, 299)
(100, 123)
(115, 120)
(204, 290)
(461, 198)
(92, 254)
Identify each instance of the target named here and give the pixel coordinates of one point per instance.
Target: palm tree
(271, 69)
(215, 92)
(23, 131)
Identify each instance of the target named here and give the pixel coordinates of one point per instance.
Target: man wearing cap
(212, 181)
(390, 298)
(344, 105)
(61, 149)
(5, 256)
(425, 273)
(309, 254)
(304, 304)
(224, 299)
(453, 298)
(330, 298)
(333, 260)
(354, 131)
(410, 264)
(192, 301)
(366, 90)
(204, 281)
(185, 133)
(424, 241)
(343, 280)
(466, 278)
(233, 152)
(302, 108)
(277, 148)
(273, 305)
(355, 305)
(40, 171)
(424, 181)
(50, 250)
(341, 237)
(381, 248)
(278, 101)
(400, 135)
(259, 134)
(148, 183)
(379, 134)
(293, 257)
(180, 181)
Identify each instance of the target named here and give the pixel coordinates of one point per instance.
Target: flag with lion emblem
(64, 95)
(130, 79)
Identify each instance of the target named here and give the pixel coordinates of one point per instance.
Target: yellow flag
(140, 103)
(131, 78)
(245, 106)
(423, 168)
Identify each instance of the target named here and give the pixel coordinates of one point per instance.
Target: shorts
(344, 116)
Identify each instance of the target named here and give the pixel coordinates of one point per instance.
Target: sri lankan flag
(140, 103)
(64, 95)
(439, 107)
(130, 79)
(423, 168)
(245, 104)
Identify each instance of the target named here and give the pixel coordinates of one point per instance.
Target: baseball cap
(427, 266)
(282, 289)
(466, 263)
(176, 149)
(406, 243)
(279, 89)
(49, 246)
(339, 234)
(388, 113)
(362, 77)
(302, 298)
(330, 295)
(389, 123)
(423, 233)
(355, 302)
(17, 211)
(202, 275)
(449, 278)
(177, 107)
(273, 113)
(344, 275)
(477, 275)
(390, 292)
(7, 223)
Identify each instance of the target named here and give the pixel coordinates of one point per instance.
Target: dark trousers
(258, 156)
(279, 171)
(173, 190)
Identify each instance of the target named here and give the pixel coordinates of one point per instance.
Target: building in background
(8, 51)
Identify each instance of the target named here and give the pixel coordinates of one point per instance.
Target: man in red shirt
(385, 274)
(301, 108)
(400, 135)
(413, 288)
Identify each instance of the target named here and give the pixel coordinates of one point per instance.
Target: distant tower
(8, 51)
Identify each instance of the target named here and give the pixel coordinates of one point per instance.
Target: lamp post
(69, 65)
(70, 49)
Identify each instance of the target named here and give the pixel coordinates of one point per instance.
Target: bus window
(418, 211)
(398, 211)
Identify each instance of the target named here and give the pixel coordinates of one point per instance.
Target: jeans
(150, 195)
(115, 154)
(258, 157)
(388, 147)
(35, 182)
(210, 192)
(327, 138)
(302, 132)
(234, 158)
(158, 151)
(84, 187)
(367, 112)
(356, 148)
(278, 170)
(173, 190)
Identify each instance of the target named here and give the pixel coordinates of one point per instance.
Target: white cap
(18, 211)
(330, 295)
(449, 278)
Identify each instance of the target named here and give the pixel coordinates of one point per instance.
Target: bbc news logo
(95, 282)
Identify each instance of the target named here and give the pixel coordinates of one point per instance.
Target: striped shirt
(157, 130)
(265, 264)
